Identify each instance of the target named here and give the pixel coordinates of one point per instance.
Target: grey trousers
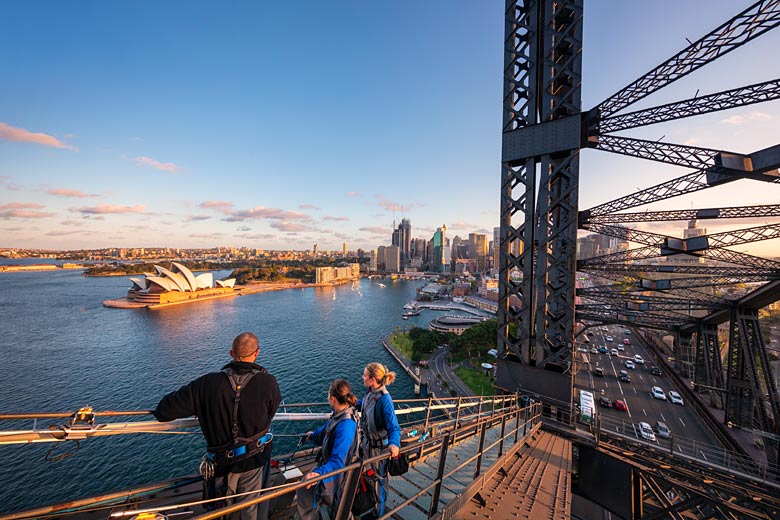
(234, 483)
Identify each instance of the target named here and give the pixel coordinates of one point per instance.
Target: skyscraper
(478, 244)
(402, 237)
(439, 256)
(344, 247)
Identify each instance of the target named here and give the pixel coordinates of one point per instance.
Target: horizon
(200, 128)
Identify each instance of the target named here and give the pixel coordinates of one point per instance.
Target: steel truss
(543, 131)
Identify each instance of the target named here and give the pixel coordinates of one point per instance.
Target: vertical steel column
(439, 476)
(478, 467)
(350, 486)
(740, 397)
(518, 181)
(503, 434)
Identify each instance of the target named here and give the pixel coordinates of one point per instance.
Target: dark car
(603, 349)
(598, 372)
(624, 377)
(606, 402)
(656, 371)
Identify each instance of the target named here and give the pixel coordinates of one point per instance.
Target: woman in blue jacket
(338, 438)
(379, 426)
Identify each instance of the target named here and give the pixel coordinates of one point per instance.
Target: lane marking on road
(606, 385)
(703, 455)
(682, 421)
(641, 378)
(635, 391)
(627, 408)
(635, 432)
(645, 412)
(663, 418)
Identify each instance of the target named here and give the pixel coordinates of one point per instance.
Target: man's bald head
(245, 346)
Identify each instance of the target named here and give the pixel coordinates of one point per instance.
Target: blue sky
(278, 125)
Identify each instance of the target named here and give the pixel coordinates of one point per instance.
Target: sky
(278, 125)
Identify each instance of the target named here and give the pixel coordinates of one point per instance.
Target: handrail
(442, 440)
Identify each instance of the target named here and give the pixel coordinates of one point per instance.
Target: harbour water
(62, 349)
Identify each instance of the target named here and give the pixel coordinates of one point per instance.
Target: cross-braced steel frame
(666, 283)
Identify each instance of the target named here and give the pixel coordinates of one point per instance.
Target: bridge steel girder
(709, 363)
(752, 400)
(541, 143)
(761, 211)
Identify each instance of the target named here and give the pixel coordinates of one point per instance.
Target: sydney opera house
(176, 285)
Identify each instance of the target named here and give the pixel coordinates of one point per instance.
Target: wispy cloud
(197, 218)
(353, 194)
(256, 236)
(62, 192)
(390, 205)
(461, 225)
(243, 229)
(22, 210)
(336, 219)
(72, 223)
(375, 230)
(207, 235)
(261, 212)
(741, 120)
(148, 162)
(222, 206)
(309, 206)
(103, 209)
(64, 233)
(11, 133)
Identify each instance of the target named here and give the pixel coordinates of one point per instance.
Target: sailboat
(334, 294)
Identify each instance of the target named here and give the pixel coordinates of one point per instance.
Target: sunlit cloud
(148, 162)
(261, 212)
(751, 116)
(23, 210)
(64, 233)
(461, 225)
(13, 229)
(243, 228)
(257, 236)
(291, 227)
(390, 205)
(207, 235)
(62, 192)
(197, 218)
(103, 209)
(336, 219)
(72, 223)
(309, 206)
(375, 230)
(20, 135)
(222, 206)
(353, 194)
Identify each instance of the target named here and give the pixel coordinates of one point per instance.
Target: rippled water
(62, 349)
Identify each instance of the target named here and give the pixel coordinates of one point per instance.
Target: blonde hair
(380, 372)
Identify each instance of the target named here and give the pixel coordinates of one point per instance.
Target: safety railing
(428, 426)
(526, 420)
(613, 430)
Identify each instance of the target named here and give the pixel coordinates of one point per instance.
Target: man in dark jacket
(234, 407)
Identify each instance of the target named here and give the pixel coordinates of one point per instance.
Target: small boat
(382, 285)
(334, 294)
(415, 312)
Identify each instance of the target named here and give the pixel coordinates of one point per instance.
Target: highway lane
(681, 420)
(439, 365)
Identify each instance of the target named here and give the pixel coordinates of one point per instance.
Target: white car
(610, 338)
(621, 348)
(630, 364)
(613, 352)
(657, 393)
(662, 430)
(646, 431)
(639, 360)
(675, 398)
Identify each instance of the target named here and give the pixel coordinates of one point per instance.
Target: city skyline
(149, 125)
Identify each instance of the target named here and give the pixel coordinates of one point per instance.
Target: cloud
(22, 210)
(102, 209)
(309, 206)
(148, 162)
(62, 192)
(376, 230)
(461, 225)
(21, 205)
(197, 218)
(14, 229)
(291, 227)
(71, 223)
(256, 236)
(10, 133)
(733, 120)
(207, 235)
(336, 219)
(63, 233)
(222, 206)
(389, 205)
(243, 228)
(759, 116)
(353, 194)
(261, 212)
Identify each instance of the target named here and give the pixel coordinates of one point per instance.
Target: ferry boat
(415, 312)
